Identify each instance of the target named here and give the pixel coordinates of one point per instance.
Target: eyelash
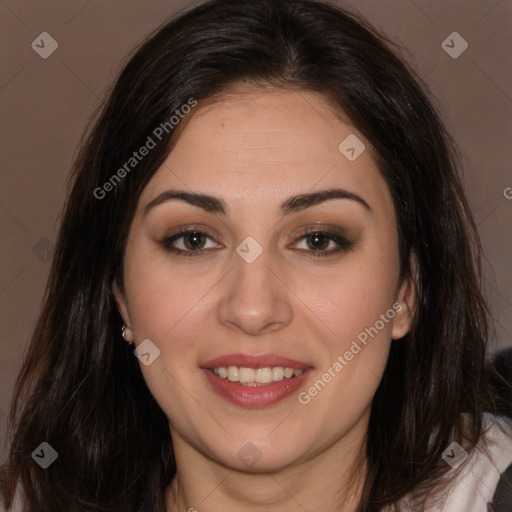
(343, 243)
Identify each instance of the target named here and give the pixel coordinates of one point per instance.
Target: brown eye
(193, 243)
(317, 243)
(194, 240)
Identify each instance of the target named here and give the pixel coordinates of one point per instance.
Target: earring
(127, 334)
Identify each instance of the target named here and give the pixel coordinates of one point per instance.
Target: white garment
(474, 486)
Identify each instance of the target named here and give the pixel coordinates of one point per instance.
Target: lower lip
(255, 396)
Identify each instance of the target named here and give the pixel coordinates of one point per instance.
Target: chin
(262, 456)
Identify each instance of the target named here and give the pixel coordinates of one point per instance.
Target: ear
(406, 299)
(121, 303)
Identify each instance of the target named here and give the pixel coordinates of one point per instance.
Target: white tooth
(277, 373)
(256, 376)
(288, 372)
(264, 375)
(246, 374)
(233, 373)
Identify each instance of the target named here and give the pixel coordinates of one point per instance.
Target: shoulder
(479, 485)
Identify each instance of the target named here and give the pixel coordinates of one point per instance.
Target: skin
(254, 149)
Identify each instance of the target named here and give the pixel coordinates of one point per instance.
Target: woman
(268, 213)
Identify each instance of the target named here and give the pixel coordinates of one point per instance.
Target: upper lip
(248, 361)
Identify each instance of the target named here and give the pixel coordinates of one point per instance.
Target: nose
(255, 298)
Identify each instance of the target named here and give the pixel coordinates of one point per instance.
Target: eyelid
(322, 228)
(189, 228)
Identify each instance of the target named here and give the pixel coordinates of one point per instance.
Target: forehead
(271, 143)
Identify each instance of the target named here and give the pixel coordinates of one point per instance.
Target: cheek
(354, 354)
(355, 295)
(157, 297)
(168, 303)
(165, 308)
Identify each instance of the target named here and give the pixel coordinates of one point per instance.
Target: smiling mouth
(256, 376)
(255, 380)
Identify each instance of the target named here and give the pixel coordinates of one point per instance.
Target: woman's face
(260, 292)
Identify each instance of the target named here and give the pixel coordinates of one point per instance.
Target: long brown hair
(81, 390)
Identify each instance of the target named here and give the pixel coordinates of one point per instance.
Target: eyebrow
(293, 204)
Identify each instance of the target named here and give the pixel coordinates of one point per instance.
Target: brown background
(45, 105)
